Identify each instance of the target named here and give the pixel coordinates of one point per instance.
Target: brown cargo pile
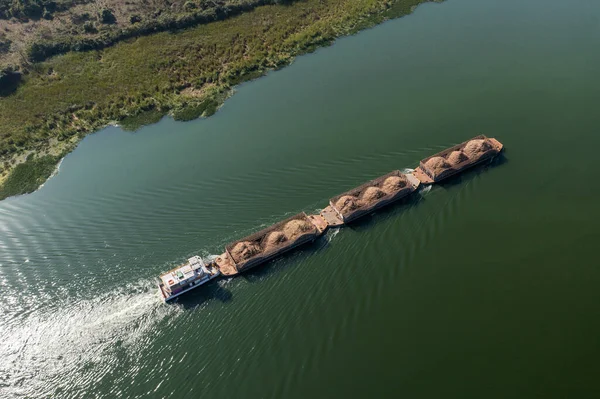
(456, 157)
(272, 241)
(474, 148)
(459, 157)
(245, 250)
(437, 165)
(371, 195)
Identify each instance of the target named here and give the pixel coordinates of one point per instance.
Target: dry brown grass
(84, 21)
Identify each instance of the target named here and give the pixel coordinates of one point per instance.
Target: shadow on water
(201, 295)
(385, 212)
(283, 261)
(473, 172)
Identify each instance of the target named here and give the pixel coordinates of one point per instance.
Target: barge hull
(258, 240)
(256, 262)
(170, 298)
(397, 197)
(413, 184)
(425, 178)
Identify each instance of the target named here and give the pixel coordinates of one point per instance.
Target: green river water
(483, 287)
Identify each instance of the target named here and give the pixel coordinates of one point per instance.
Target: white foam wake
(49, 352)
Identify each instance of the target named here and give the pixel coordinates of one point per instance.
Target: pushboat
(192, 274)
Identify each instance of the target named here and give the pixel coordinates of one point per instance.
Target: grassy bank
(28, 176)
(35, 30)
(187, 74)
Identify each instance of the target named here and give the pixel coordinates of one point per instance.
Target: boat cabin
(179, 278)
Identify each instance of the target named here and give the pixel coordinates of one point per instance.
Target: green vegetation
(134, 122)
(196, 109)
(24, 9)
(187, 73)
(4, 44)
(28, 176)
(40, 29)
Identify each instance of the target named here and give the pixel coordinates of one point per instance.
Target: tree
(9, 80)
(89, 27)
(4, 45)
(107, 16)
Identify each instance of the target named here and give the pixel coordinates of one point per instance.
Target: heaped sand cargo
(270, 242)
(374, 194)
(456, 159)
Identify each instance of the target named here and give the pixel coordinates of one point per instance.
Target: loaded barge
(262, 246)
(372, 195)
(266, 244)
(456, 159)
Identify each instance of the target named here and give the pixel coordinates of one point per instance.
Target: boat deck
(413, 180)
(331, 217)
(319, 222)
(497, 145)
(422, 176)
(226, 265)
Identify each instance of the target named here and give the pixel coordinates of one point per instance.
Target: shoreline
(187, 103)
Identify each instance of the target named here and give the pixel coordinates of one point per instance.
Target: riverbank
(186, 74)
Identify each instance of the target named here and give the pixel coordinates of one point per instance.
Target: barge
(268, 243)
(299, 229)
(192, 274)
(456, 159)
(372, 195)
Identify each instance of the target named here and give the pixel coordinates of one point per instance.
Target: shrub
(134, 19)
(28, 176)
(4, 45)
(89, 27)
(134, 122)
(78, 19)
(107, 16)
(191, 112)
(9, 80)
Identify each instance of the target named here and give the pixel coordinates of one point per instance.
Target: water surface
(482, 287)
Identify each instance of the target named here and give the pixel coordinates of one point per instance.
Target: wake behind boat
(186, 277)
